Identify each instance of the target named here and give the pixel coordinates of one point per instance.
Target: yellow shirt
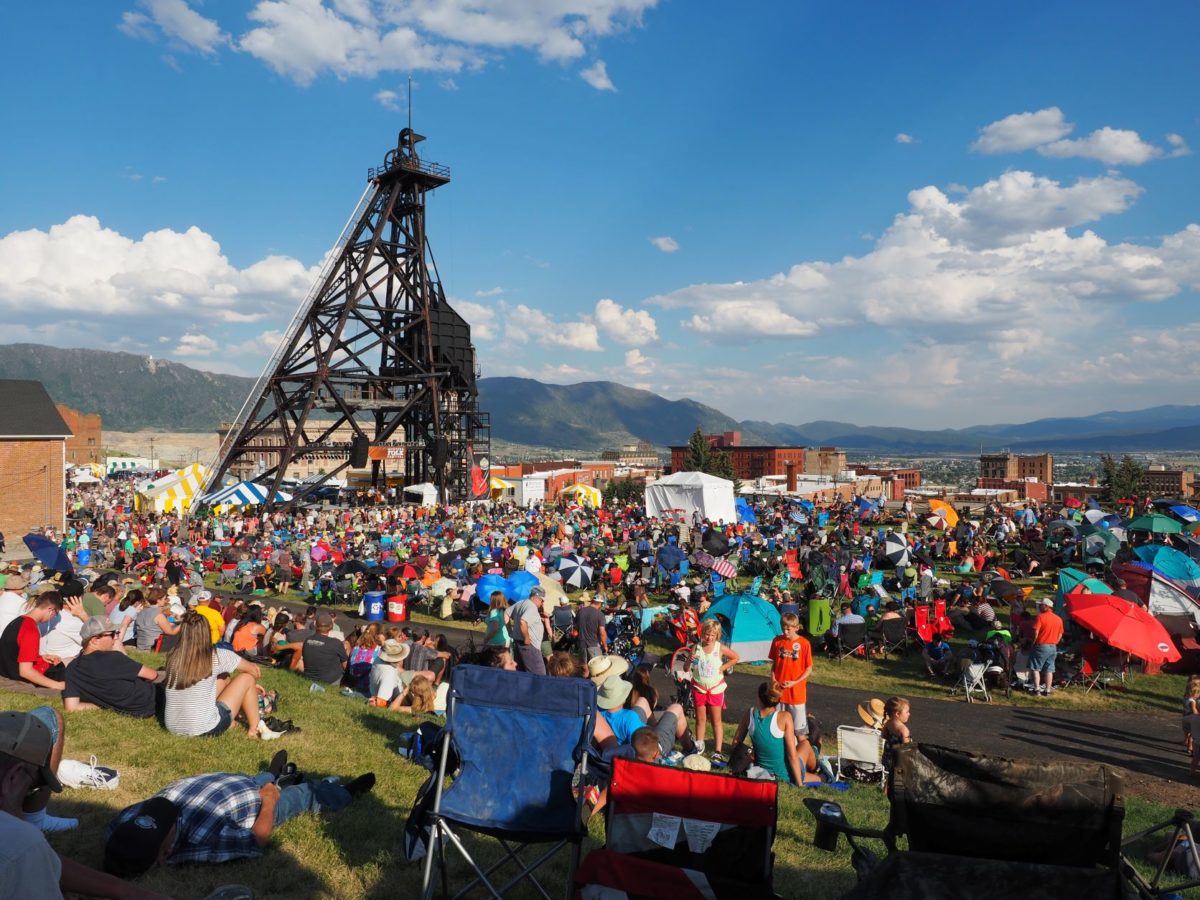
(215, 622)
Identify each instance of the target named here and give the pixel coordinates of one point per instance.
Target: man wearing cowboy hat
(388, 680)
(12, 599)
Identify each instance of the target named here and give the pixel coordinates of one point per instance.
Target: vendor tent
(426, 493)
(244, 493)
(748, 625)
(584, 494)
(172, 492)
(692, 492)
(83, 476)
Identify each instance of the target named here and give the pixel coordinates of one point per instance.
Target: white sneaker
(266, 734)
(699, 747)
(75, 774)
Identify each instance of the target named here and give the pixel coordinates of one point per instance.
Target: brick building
(85, 444)
(249, 465)
(1160, 481)
(33, 460)
(896, 482)
(640, 454)
(1011, 467)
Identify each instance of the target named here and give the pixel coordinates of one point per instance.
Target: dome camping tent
(685, 493)
(748, 624)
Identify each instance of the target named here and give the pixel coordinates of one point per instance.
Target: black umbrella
(350, 566)
(1002, 589)
(715, 542)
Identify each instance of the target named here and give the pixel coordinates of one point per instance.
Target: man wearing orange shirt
(1047, 632)
(791, 658)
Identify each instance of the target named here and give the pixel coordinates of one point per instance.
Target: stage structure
(376, 368)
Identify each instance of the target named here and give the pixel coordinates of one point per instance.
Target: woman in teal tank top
(773, 737)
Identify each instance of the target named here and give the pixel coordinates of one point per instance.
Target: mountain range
(133, 392)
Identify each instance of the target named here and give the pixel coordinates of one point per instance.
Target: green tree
(698, 456)
(1120, 479)
(623, 490)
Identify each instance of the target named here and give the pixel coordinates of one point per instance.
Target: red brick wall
(31, 487)
(84, 445)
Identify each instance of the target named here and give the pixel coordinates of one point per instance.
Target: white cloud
(991, 263)
(448, 84)
(83, 270)
(304, 39)
(631, 327)
(1112, 146)
(903, 138)
(665, 244)
(524, 324)
(490, 292)
(196, 345)
(1022, 131)
(177, 22)
(637, 363)
(597, 76)
(482, 319)
(388, 100)
(1179, 146)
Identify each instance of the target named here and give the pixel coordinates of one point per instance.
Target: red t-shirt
(792, 657)
(1047, 628)
(29, 641)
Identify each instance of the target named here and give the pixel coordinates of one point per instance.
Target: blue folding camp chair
(519, 739)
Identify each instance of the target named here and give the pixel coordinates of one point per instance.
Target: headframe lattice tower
(375, 349)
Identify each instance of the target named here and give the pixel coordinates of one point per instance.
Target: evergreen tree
(1120, 480)
(698, 456)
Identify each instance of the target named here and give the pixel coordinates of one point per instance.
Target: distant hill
(134, 392)
(130, 392)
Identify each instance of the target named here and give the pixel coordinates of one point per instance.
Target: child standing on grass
(791, 659)
(710, 661)
(896, 712)
(1191, 713)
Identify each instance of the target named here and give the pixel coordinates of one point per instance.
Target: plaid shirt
(215, 818)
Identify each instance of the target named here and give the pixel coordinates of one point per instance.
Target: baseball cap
(134, 845)
(1047, 601)
(25, 737)
(96, 626)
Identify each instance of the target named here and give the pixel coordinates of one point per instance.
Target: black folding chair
(850, 639)
(519, 739)
(892, 637)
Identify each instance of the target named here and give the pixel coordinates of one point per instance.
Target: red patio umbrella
(1073, 502)
(1124, 625)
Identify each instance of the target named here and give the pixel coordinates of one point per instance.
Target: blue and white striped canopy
(244, 493)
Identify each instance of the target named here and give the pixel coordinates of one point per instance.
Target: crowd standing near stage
(564, 590)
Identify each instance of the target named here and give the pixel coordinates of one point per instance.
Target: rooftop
(26, 411)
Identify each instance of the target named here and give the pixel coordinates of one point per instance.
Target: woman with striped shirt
(197, 704)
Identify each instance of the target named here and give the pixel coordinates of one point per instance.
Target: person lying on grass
(217, 817)
(104, 677)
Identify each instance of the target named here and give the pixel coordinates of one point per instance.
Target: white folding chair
(862, 748)
(972, 679)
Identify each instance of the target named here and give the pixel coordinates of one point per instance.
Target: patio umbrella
(1156, 523)
(1003, 590)
(575, 573)
(440, 587)
(945, 510)
(895, 550)
(715, 542)
(798, 518)
(669, 556)
(553, 588)
(936, 520)
(724, 568)
(349, 566)
(1073, 503)
(702, 559)
(48, 553)
(1124, 625)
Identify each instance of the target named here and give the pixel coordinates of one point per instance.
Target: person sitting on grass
(773, 739)
(938, 657)
(104, 677)
(200, 701)
(154, 621)
(217, 817)
(20, 645)
(321, 656)
(421, 697)
(387, 679)
(30, 749)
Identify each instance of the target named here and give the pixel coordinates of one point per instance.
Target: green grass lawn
(356, 853)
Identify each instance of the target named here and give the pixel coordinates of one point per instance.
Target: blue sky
(931, 215)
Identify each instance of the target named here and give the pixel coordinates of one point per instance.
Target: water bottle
(826, 834)
(315, 688)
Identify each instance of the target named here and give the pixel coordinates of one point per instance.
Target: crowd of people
(145, 589)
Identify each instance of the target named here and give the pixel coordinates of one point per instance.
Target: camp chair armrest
(832, 820)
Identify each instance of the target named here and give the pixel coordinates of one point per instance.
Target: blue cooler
(373, 602)
(83, 556)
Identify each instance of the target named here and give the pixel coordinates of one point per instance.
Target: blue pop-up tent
(1179, 567)
(749, 624)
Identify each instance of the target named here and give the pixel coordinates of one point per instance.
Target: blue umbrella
(670, 556)
(48, 553)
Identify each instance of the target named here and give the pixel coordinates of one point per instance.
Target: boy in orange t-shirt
(791, 658)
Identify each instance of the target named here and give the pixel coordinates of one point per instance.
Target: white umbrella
(575, 573)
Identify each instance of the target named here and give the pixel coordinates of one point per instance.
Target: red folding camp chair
(921, 624)
(941, 622)
(675, 833)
